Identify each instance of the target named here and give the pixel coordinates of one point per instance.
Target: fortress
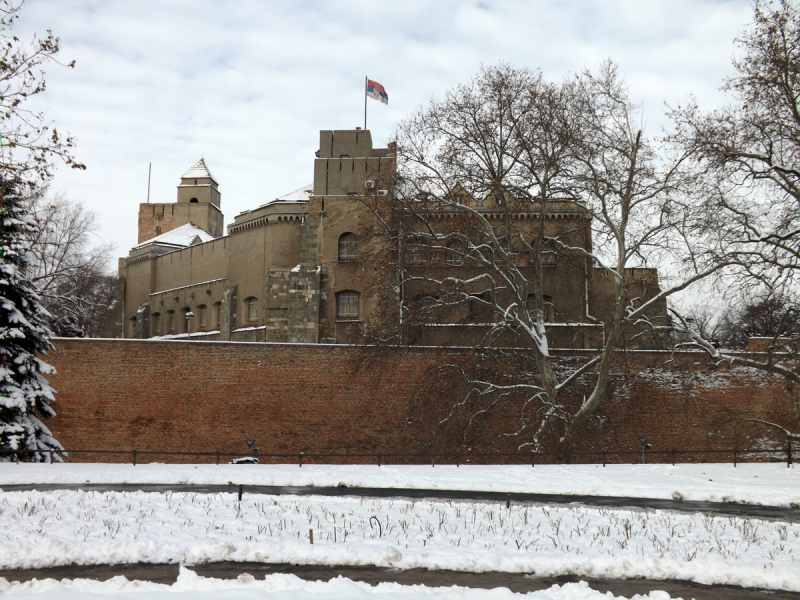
(306, 267)
(311, 271)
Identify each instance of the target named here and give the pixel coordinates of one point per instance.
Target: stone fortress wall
(279, 274)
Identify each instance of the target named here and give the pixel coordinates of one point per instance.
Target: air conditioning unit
(383, 192)
(369, 184)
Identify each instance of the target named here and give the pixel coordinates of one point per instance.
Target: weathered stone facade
(295, 269)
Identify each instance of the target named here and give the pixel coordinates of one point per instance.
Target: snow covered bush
(25, 395)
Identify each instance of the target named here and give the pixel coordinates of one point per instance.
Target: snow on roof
(300, 194)
(198, 171)
(185, 235)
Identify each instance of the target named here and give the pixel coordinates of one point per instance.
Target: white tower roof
(198, 170)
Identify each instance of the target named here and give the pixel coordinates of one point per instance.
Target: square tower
(198, 203)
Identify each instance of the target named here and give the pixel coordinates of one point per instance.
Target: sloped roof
(183, 236)
(198, 170)
(298, 195)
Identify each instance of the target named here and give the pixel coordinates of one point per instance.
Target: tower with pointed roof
(198, 203)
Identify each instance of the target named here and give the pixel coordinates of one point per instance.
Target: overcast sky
(248, 84)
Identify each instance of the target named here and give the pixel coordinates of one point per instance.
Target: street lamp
(645, 446)
(189, 315)
(249, 445)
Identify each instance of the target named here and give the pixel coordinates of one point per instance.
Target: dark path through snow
(516, 582)
(788, 514)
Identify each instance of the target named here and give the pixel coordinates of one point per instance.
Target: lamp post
(189, 316)
(249, 445)
(645, 446)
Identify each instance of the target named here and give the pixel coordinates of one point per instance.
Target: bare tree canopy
(30, 143)
(652, 217)
(748, 153)
(749, 150)
(69, 265)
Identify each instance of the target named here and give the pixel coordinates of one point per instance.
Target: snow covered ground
(75, 527)
(758, 483)
(287, 587)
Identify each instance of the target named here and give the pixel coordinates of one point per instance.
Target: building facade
(306, 267)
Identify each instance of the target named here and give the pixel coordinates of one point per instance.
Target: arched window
(170, 321)
(217, 314)
(156, 323)
(417, 251)
(202, 317)
(348, 246)
(347, 305)
(193, 201)
(251, 309)
(454, 255)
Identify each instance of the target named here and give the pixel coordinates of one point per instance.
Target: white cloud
(248, 85)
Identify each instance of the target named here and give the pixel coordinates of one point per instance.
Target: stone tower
(198, 203)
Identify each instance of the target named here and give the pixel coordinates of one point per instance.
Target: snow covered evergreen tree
(25, 395)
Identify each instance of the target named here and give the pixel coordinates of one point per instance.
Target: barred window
(417, 251)
(348, 246)
(347, 305)
(218, 313)
(203, 321)
(454, 254)
(251, 304)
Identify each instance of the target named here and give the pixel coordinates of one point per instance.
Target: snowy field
(43, 529)
(758, 483)
(287, 587)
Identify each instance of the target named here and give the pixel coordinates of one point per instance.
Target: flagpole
(365, 103)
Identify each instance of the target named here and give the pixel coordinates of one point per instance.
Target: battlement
(347, 164)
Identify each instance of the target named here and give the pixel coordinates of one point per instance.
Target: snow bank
(771, 484)
(44, 529)
(287, 587)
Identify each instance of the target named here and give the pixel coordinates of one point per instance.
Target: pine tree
(25, 395)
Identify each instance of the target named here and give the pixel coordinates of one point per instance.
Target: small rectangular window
(171, 323)
(347, 305)
(252, 310)
(156, 324)
(203, 317)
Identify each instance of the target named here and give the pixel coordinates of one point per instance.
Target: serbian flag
(376, 90)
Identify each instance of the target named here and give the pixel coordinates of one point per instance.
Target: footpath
(790, 515)
(516, 582)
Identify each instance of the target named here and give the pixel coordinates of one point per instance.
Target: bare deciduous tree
(69, 267)
(30, 143)
(748, 152)
(513, 141)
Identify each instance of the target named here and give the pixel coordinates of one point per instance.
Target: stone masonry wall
(210, 396)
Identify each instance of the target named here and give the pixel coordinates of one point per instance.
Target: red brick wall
(210, 396)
